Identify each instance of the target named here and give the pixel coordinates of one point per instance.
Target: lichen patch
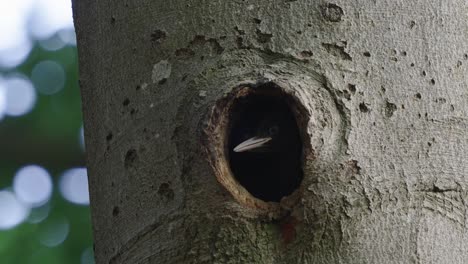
(161, 71)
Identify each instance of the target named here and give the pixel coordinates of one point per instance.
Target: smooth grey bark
(385, 87)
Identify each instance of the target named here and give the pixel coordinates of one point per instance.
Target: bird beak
(251, 143)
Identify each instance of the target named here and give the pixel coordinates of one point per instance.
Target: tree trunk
(378, 93)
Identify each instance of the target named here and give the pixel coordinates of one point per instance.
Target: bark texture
(384, 85)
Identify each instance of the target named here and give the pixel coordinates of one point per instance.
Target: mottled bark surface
(384, 84)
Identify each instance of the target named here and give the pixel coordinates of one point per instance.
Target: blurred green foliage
(47, 136)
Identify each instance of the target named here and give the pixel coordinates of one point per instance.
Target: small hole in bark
(166, 191)
(264, 145)
(115, 211)
(352, 88)
(158, 36)
(306, 53)
(333, 12)
(162, 81)
(363, 107)
(390, 108)
(130, 157)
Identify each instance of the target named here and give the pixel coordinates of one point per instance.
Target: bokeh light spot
(54, 232)
(48, 77)
(20, 95)
(14, 56)
(53, 43)
(38, 214)
(74, 186)
(12, 211)
(15, 44)
(49, 16)
(68, 36)
(2, 100)
(32, 185)
(87, 257)
(82, 140)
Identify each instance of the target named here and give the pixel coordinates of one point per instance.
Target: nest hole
(264, 146)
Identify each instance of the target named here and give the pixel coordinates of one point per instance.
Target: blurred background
(44, 213)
